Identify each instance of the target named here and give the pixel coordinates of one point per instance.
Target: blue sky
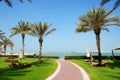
(64, 16)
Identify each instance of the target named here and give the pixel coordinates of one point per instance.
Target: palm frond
(106, 29)
(2, 37)
(104, 2)
(112, 19)
(112, 24)
(50, 31)
(21, 28)
(97, 19)
(78, 30)
(14, 31)
(11, 44)
(45, 27)
(117, 3)
(1, 43)
(39, 30)
(34, 30)
(9, 3)
(82, 29)
(21, 1)
(30, 0)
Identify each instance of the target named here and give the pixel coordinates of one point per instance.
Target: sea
(63, 54)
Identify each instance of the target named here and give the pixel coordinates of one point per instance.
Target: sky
(63, 14)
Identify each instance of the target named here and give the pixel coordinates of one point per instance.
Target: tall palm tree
(22, 28)
(11, 44)
(97, 20)
(9, 3)
(116, 4)
(1, 44)
(1, 35)
(6, 42)
(40, 30)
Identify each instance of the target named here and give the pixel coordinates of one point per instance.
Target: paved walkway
(68, 71)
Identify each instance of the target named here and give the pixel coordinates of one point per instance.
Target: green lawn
(38, 71)
(112, 72)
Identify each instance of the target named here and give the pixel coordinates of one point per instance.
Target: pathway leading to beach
(68, 71)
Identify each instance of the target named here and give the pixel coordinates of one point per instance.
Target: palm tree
(1, 35)
(97, 20)
(11, 44)
(1, 44)
(40, 30)
(9, 3)
(6, 42)
(116, 4)
(22, 28)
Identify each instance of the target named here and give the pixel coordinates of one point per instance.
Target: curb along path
(68, 71)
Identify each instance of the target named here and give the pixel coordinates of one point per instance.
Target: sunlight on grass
(111, 72)
(38, 71)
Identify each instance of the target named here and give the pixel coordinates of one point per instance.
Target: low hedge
(51, 57)
(15, 56)
(31, 56)
(74, 57)
(95, 57)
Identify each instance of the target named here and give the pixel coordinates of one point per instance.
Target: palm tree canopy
(116, 4)
(1, 32)
(96, 19)
(2, 36)
(7, 42)
(11, 44)
(1, 43)
(21, 28)
(9, 3)
(39, 30)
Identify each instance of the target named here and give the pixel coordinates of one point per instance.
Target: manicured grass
(112, 72)
(38, 71)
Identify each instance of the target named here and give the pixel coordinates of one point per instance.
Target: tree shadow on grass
(115, 76)
(42, 63)
(6, 73)
(114, 64)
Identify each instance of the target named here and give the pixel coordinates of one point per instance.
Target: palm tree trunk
(4, 50)
(113, 57)
(0, 51)
(23, 36)
(98, 48)
(40, 52)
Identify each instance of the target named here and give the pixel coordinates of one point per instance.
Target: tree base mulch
(102, 64)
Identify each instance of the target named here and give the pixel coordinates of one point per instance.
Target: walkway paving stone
(68, 71)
